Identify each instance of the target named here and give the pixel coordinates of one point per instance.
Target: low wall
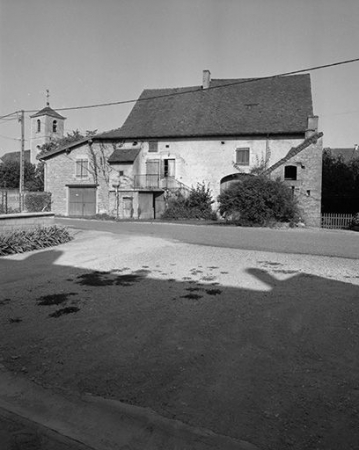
(25, 221)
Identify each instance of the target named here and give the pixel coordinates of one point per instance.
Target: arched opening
(233, 178)
(290, 172)
(38, 125)
(54, 126)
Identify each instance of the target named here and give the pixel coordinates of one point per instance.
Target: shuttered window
(242, 156)
(82, 166)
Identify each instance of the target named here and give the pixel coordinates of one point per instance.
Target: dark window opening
(121, 173)
(290, 172)
(38, 125)
(242, 156)
(54, 126)
(168, 168)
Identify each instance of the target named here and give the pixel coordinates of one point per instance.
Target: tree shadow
(277, 367)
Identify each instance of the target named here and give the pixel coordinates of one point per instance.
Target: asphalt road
(322, 242)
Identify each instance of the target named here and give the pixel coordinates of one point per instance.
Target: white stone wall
(210, 160)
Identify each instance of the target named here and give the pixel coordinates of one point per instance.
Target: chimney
(206, 79)
(312, 126)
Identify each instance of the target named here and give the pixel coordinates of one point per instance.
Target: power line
(11, 114)
(188, 91)
(173, 94)
(12, 139)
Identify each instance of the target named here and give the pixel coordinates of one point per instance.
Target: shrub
(258, 201)
(38, 201)
(41, 237)
(196, 206)
(354, 224)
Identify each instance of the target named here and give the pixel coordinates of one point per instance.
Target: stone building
(175, 138)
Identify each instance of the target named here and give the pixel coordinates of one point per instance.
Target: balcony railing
(159, 183)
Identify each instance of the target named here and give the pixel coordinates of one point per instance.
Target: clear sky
(97, 51)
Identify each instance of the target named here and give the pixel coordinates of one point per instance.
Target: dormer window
(290, 172)
(54, 126)
(38, 125)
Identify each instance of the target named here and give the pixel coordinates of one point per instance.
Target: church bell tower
(45, 126)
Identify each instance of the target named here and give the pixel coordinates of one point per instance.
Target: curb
(105, 424)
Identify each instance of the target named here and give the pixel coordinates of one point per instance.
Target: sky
(89, 52)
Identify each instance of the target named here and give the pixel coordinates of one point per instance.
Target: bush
(38, 201)
(196, 206)
(354, 224)
(24, 241)
(258, 201)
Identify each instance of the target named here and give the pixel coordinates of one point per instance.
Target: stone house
(178, 137)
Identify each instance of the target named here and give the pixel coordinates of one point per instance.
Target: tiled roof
(279, 105)
(47, 111)
(15, 156)
(346, 153)
(63, 148)
(124, 155)
(294, 151)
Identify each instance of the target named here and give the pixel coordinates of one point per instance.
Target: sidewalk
(34, 418)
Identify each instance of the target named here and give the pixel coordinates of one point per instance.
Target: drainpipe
(117, 199)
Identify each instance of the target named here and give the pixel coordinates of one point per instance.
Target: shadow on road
(275, 367)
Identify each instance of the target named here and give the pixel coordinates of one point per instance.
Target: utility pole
(21, 183)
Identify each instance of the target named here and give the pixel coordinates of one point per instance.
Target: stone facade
(307, 187)
(119, 191)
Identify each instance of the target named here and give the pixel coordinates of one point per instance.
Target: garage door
(82, 201)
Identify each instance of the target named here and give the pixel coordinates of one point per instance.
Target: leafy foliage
(354, 225)
(340, 184)
(38, 201)
(74, 136)
(10, 176)
(196, 206)
(258, 201)
(24, 241)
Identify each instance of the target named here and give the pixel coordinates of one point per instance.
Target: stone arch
(232, 178)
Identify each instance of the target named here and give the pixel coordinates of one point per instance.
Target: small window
(82, 168)
(153, 146)
(54, 126)
(290, 172)
(121, 173)
(169, 167)
(242, 156)
(38, 125)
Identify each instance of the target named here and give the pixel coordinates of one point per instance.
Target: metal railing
(160, 183)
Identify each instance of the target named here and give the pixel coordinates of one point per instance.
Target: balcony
(158, 183)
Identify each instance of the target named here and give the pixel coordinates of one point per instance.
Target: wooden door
(82, 201)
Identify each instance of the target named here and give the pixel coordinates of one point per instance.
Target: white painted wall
(210, 160)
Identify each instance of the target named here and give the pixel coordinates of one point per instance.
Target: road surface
(308, 241)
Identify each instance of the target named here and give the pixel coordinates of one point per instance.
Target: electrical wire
(198, 89)
(173, 94)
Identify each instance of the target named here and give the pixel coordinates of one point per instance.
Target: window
(38, 125)
(54, 126)
(169, 167)
(82, 168)
(242, 156)
(153, 146)
(290, 172)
